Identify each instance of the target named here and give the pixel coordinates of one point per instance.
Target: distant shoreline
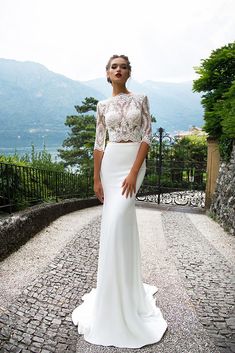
(10, 151)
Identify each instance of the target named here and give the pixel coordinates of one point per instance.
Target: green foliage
(79, 144)
(41, 159)
(217, 73)
(225, 147)
(15, 159)
(227, 111)
(183, 163)
(28, 179)
(196, 147)
(89, 104)
(217, 79)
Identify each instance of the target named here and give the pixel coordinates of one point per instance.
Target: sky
(164, 40)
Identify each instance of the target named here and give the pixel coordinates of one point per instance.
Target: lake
(9, 151)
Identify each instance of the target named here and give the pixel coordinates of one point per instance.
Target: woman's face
(118, 71)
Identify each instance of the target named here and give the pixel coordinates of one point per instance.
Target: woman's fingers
(124, 189)
(129, 185)
(99, 193)
(124, 186)
(100, 197)
(128, 189)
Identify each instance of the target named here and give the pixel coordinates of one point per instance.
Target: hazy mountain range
(35, 101)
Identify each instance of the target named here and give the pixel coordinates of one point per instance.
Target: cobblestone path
(195, 292)
(208, 277)
(40, 319)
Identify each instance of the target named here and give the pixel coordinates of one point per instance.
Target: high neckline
(122, 93)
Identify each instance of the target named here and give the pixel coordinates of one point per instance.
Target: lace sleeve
(146, 125)
(100, 130)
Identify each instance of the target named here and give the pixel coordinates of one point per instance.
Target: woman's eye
(115, 66)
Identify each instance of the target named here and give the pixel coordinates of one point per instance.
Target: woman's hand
(129, 184)
(98, 189)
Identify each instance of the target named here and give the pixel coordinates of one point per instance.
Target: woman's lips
(118, 75)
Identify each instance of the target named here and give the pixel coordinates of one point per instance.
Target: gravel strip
(214, 233)
(207, 275)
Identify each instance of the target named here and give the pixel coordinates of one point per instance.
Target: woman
(121, 310)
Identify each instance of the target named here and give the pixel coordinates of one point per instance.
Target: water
(9, 151)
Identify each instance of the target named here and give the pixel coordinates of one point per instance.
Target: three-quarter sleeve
(146, 125)
(100, 129)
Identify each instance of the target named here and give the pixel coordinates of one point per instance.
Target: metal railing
(23, 186)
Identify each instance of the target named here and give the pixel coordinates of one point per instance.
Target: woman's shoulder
(103, 102)
(141, 95)
(101, 105)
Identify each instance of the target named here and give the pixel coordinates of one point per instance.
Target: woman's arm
(129, 183)
(98, 152)
(98, 189)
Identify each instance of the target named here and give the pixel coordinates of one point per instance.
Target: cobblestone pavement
(208, 277)
(24, 265)
(39, 319)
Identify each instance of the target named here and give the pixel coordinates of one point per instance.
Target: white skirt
(121, 311)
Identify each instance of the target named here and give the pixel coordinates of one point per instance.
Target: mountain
(35, 101)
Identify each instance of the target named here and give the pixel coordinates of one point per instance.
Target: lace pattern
(125, 117)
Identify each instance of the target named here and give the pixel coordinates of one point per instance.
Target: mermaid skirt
(121, 310)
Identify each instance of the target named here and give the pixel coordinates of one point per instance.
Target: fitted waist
(123, 142)
(120, 156)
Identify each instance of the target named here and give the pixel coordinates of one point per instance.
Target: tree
(191, 151)
(227, 111)
(78, 149)
(218, 81)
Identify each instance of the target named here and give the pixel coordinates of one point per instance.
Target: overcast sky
(163, 39)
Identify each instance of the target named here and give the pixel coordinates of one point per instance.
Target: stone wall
(223, 200)
(16, 229)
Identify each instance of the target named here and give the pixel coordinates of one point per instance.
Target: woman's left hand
(129, 184)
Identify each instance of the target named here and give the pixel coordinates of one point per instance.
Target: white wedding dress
(121, 310)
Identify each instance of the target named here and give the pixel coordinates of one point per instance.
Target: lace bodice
(126, 117)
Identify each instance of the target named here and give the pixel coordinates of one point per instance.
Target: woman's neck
(117, 89)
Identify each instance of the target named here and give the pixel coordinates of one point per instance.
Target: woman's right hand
(98, 189)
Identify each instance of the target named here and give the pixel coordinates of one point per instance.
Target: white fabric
(121, 310)
(125, 117)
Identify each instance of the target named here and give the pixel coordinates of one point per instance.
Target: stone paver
(192, 276)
